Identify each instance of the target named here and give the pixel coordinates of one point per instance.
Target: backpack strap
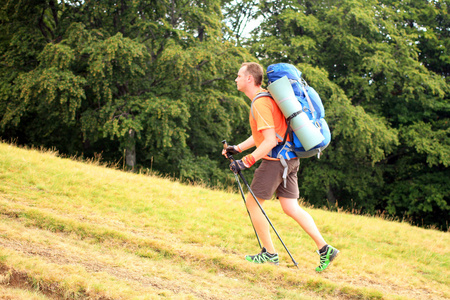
(311, 106)
(259, 95)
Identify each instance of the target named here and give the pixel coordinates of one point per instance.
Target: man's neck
(252, 91)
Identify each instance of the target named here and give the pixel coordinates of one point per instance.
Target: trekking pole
(230, 157)
(262, 210)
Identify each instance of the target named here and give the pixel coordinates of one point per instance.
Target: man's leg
(260, 223)
(303, 218)
(326, 252)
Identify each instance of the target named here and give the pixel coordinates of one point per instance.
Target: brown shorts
(268, 179)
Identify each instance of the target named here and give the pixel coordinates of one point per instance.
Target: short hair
(256, 70)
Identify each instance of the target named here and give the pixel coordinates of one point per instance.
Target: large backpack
(311, 105)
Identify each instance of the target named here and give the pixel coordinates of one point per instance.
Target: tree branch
(42, 25)
(212, 80)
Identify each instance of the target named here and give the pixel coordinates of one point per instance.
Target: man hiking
(266, 122)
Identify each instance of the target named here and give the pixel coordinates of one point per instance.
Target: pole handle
(225, 145)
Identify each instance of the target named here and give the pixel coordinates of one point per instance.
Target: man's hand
(230, 150)
(240, 165)
(237, 165)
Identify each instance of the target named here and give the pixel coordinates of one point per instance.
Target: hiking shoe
(327, 255)
(263, 257)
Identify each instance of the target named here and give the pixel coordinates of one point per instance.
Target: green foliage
(202, 169)
(155, 78)
(384, 94)
(431, 143)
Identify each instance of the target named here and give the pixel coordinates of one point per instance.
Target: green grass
(79, 230)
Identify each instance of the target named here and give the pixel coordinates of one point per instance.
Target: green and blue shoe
(327, 255)
(263, 257)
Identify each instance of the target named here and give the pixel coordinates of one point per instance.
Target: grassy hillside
(79, 230)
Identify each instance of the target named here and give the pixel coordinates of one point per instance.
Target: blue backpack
(311, 105)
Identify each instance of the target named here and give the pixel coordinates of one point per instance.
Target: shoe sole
(333, 256)
(258, 263)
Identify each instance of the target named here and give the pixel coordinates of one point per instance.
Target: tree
(151, 82)
(363, 58)
(152, 79)
(239, 14)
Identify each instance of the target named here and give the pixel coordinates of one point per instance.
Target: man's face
(242, 79)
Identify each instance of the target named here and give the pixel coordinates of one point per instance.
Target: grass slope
(79, 230)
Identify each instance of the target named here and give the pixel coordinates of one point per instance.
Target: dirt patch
(11, 278)
(23, 281)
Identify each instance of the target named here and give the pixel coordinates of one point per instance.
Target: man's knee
(290, 206)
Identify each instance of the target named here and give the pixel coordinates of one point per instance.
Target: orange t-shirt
(267, 115)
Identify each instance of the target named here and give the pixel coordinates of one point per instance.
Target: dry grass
(72, 229)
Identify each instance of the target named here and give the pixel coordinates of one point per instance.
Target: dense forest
(150, 84)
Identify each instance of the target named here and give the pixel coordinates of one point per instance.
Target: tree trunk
(330, 197)
(130, 152)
